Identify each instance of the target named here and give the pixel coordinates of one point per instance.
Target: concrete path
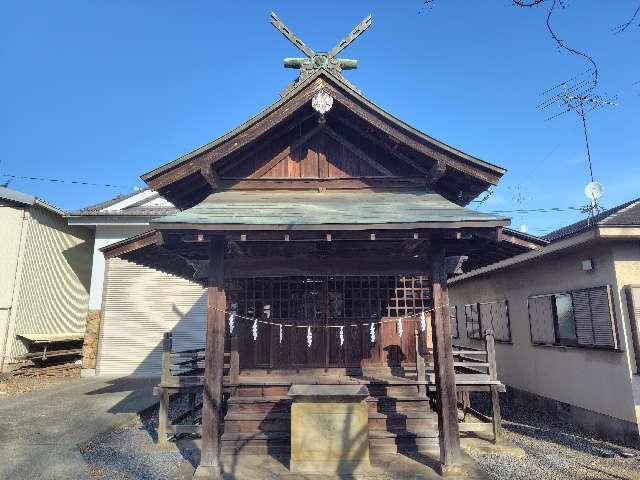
(40, 431)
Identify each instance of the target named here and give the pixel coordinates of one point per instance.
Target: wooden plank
(445, 378)
(286, 152)
(214, 357)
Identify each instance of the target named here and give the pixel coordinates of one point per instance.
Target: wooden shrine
(323, 227)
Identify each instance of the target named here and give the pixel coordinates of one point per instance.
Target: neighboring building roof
(627, 214)
(27, 200)
(141, 203)
(332, 207)
(590, 229)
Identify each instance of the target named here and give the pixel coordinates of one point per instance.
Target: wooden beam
(272, 138)
(411, 139)
(210, 176)
(373, 139)
(300, 265)
(448, 431)
(286, 152)
(435, 173)
(314, 183)
(214, 363)
(357, 152)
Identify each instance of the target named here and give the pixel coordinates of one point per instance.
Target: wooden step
(256, 443)
(398, 404)
(257, 422)
(258, 404)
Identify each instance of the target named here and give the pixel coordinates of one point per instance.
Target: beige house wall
(51, 291)
(595, 380)
(12, 219)
(626, 255)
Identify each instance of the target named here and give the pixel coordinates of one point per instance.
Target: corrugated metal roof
(143, 208)
(333, 207)
(28, 200)
(626, 214)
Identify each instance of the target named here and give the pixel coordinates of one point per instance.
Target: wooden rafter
(395, 153)
(435, 173)
(270, 139)
(357, 152)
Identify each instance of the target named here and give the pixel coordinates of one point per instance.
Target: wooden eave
(256, 253)
(191, 171)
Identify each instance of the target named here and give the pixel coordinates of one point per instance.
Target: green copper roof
(306, 209)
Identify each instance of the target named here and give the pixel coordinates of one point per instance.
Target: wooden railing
(475, 372)
(183, 373)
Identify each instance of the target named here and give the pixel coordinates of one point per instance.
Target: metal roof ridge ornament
(315, 61)
(322, 103)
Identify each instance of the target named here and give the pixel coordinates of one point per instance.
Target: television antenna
(577, 95)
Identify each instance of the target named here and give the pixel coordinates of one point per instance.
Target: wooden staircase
(258, 421)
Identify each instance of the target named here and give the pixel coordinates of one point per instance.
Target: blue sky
(105, 91)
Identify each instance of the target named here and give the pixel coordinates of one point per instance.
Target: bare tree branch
(623, 26)
(556, 38)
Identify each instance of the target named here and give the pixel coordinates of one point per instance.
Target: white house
(130, 331)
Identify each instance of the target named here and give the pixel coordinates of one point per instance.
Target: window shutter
(541, 320)
(582, 315)
(633, 307)
(472, 321)
(453, 313)
(486, 317)
(604, 331)
(501, 321)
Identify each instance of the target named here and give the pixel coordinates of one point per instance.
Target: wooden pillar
(213, 364)
(449, 433)
(496, 415)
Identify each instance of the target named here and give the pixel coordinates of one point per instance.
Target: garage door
(139, 305)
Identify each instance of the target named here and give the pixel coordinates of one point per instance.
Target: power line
(60, 180)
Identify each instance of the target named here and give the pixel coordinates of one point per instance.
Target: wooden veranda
(324, 211)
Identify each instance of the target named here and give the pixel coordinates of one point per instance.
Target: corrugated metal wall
(53, 290)
(10, 237)
(140, 304)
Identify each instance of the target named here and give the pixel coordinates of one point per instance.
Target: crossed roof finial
(315, 61)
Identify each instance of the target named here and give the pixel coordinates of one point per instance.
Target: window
(495, 316)
(472, 319)
(579, 317)
(453, 315)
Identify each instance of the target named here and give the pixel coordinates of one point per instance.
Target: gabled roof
(141, 203)
(25, 199)
(626, 214)
(188, 172)
(301, 86)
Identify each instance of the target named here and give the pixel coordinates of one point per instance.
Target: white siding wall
(106, 235)
(140, 304)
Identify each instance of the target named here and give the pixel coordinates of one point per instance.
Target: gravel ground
(130, 452)
(30, 378)
(555, 450)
